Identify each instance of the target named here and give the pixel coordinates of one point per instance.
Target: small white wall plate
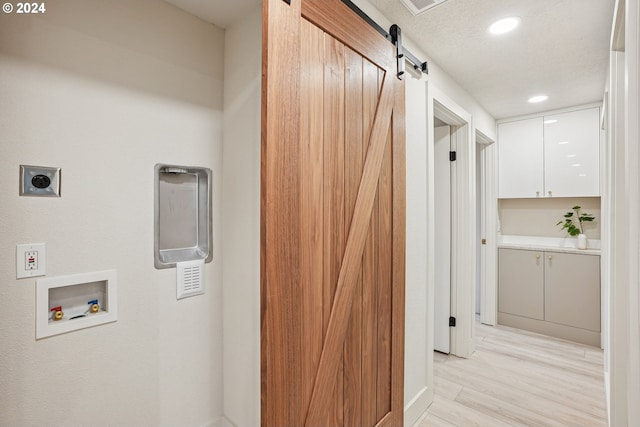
(40, 265)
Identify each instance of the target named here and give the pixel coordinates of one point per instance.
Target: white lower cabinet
(552, 293)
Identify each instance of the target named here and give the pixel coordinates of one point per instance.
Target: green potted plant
(569, 224)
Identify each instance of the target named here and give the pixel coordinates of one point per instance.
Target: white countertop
(550, 244)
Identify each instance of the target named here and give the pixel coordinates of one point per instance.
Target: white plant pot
(582, 241)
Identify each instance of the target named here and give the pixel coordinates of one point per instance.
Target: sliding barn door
(332, 220)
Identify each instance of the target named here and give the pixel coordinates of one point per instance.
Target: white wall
(632, 136)
(105, 90)
(241, 218)
(418, 390)
(538, 217)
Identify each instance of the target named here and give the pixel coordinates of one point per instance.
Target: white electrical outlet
(30, 260)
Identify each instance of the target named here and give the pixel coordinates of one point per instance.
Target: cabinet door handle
(537, 256)
(550, 257)
(550, 193)
(537, 194)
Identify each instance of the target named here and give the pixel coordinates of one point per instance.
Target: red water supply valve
(57, 312)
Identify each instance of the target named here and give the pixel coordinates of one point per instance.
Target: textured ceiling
(560, 48)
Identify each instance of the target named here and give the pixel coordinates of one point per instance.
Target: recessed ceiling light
(563, 142)
(548, 122)
(576, 164)
(538, 98)
(583, 174)
(504, 25)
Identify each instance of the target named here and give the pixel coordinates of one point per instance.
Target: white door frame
(489, 213)
(463, 209)
(623, 202)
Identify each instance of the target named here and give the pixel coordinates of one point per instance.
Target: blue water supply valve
(94, 306)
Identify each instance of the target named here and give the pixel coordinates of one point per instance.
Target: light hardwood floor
(518, 378)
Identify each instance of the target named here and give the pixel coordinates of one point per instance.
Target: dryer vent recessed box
(182, 215)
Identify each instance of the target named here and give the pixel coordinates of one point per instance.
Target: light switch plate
(39, 181)
(31, 260)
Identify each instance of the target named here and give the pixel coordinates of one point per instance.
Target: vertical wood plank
(334, 181)
(280, 218)
(354, 160)
(384, 284)
(311, 200)
(399, 248)
(371, 88)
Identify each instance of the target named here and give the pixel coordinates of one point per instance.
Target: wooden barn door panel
(332, 250)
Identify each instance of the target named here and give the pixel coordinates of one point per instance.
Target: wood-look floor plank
(461, 415)
(579, 367)
(444, 387)
(517, 395)
(519, 378)
(543, 386)
(435, 421)
(514, 415)
(542, 374)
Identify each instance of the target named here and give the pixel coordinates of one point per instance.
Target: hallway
(518, 378)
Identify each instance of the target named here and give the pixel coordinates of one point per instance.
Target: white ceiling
(560, 48)
(219, 12)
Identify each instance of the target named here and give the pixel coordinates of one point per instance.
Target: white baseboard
(607, 390)
(417, 406)
(412, 412)
(220, 422)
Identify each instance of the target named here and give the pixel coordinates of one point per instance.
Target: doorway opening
(454, 250)
(486, 230)
(443, 168)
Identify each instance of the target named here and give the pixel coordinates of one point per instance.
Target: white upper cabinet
(572, 153)
(521, 158)
(552, 156)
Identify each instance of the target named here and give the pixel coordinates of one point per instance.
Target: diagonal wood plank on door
(351, 263)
